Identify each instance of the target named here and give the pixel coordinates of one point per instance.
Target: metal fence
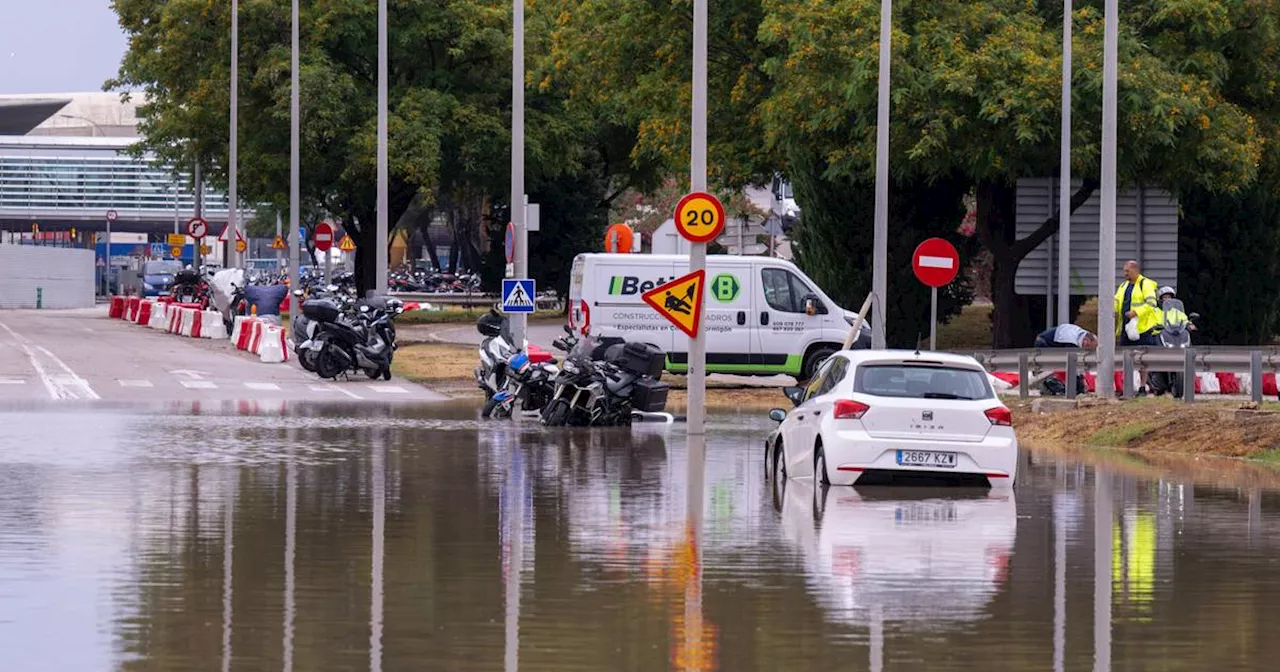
(1252, 361)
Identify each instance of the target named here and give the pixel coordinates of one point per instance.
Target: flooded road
(406, 538)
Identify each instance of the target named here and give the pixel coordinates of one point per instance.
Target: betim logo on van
(628, 285)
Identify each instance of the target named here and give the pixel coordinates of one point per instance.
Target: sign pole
(279, 252)
(697, 381)
(933, 318)
(233, 203)
(198, 183)
(518, 322)
(880, 241)
(1107, 240)
(295, 217)
(108, 279)
(1064, 182)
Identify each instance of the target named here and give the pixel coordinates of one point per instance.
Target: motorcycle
(1175, 332)
(606, 384)
(364, 341)
(529, 384)
(496, 352)
(188, 287)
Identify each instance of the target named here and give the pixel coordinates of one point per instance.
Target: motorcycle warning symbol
(517, 295)
(680, 301)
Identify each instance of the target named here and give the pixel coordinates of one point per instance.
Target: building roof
(96, 113)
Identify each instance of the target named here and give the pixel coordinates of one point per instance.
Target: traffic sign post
(241, 245)
(111, 217)
(619, 238)
(699, 218)
(347, 244)
(935, 263)
(175, 252)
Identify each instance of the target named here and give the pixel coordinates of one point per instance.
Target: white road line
(136, 383)
(262, 386)
(387, 389)
(198, 385)
(323, 388)
(71, 379)
(13, 381)
(54, 392)
(349, 393)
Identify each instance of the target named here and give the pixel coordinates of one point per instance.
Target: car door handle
(742, 317)
(764, 318)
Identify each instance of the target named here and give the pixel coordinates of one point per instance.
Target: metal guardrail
(468, 299)
(1252, 361)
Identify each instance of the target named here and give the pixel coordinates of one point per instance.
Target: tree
(977, 92)
(833, 243)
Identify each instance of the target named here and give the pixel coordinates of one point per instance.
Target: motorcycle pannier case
(489, 325)
(649, 396)
(642, 359)
(321, 310)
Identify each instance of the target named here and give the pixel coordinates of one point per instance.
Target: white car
(870, 415)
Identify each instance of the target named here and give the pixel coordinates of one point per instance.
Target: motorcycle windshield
(1175, 315)
(583, 348)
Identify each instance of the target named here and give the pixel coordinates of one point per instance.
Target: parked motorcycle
(529, 387)
(605, 384)
(188, 287)
(364, 341)
(1175, 332)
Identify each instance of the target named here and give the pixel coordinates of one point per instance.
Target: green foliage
(833, 243)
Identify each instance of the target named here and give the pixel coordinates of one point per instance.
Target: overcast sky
(58, 46)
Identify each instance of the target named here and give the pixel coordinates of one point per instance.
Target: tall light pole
(380, 256)
(1064, 183)
(697, 377)
(97, 130)
(1107, 240)
(518, 321)
(880, 243)
(233, 202)
(295, 217)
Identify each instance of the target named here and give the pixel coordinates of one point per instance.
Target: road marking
(136, 383)
(12, 381)
(194, 375)
(198, 385)
(71, 379)
(262, 386)
(323, 388)
(54, 391)
(388, 389)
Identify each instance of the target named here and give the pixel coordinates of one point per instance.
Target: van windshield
(918, 381)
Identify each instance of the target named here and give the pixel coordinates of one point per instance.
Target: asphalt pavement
(84, 355)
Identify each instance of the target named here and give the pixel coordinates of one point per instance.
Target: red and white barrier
(1206, 383)
(263, 339)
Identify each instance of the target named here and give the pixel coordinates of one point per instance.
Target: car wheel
(819, 503)
(814, 359)
(820, 467)
(779, 463)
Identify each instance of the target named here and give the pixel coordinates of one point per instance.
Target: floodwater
(420, 539)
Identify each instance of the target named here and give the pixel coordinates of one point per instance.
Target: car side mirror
(813, 306)
(795, 394)
(777, 415)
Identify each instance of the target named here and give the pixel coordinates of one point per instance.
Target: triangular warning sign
(680, 301)
(278, 243)
(222, 238)
(346, 244)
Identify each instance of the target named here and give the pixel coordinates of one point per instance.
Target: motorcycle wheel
(308, 360)
(386, 373)
(327, 363)
(557, 414)
(486, 413)
(373, 374)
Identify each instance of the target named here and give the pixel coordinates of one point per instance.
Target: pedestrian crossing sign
(517, 295)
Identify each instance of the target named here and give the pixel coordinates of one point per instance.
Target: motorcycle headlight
(570, 367)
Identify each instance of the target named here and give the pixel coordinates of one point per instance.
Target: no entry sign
(324, 236)
(936, 262)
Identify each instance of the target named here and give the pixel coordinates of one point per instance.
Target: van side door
(727, 313)
(782, 327)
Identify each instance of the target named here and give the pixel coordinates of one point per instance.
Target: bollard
(1024, 386)
(1128, 374)
(1189, 377)
(39, 297)
(1072, 364)
(1255, 376)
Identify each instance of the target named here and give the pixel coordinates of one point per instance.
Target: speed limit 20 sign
(699, 217)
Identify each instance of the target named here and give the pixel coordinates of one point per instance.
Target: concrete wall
(65, 274)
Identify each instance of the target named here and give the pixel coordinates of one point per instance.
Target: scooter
(1175, 332)
(529, 384)
(364, 342)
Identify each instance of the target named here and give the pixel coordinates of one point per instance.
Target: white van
(762, 316)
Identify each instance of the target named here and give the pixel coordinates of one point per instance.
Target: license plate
(925, 513)
(926, 458)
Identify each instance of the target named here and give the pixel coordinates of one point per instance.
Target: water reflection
(394, 541)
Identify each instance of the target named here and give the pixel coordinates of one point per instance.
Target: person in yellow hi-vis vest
(1136, 300)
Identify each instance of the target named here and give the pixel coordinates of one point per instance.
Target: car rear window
(921, 381)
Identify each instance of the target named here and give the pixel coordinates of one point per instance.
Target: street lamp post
(518, 322)
(233, 203)
(1064, 182)
(295, 218)
(880, 240)
(1107, 238)
(97, 130)
(380, 254)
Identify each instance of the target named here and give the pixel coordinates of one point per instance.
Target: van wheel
(814, 359)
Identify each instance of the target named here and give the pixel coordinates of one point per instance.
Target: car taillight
(846, 409)
(1000, 416)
